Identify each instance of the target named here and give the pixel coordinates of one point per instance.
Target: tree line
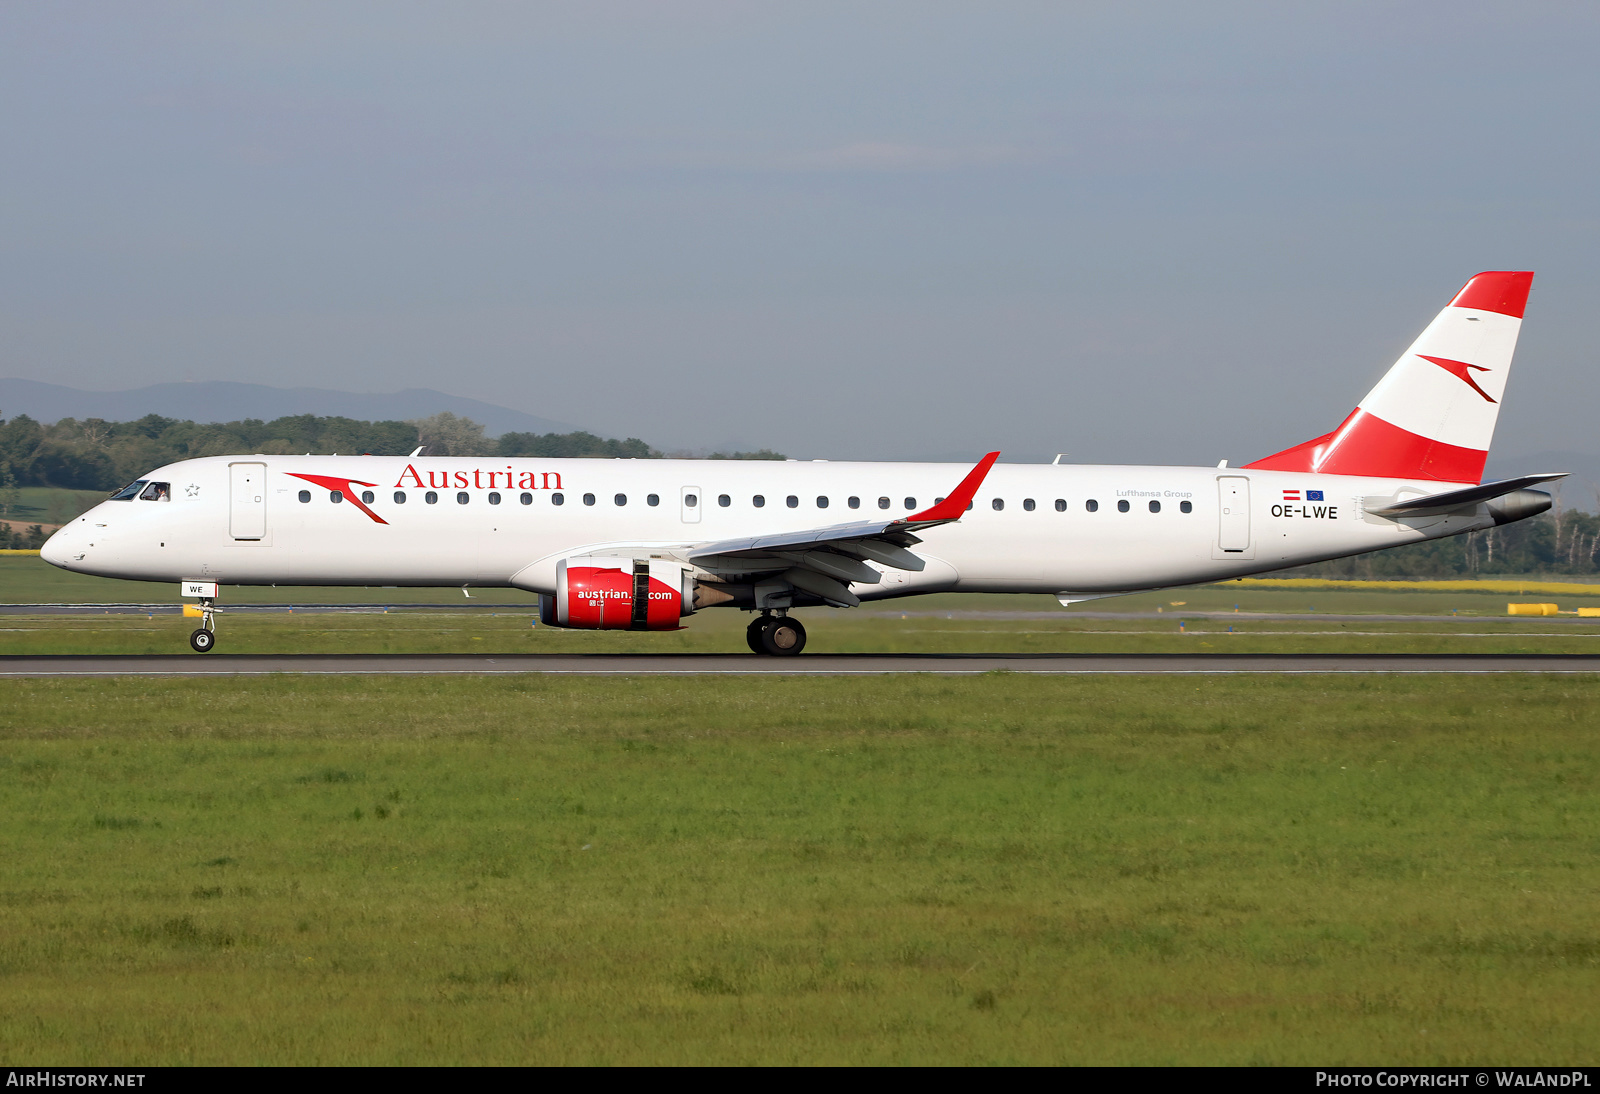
(98, 455)
(93, 454)
(1561, 541)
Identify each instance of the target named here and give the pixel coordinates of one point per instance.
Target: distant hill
(225, 401)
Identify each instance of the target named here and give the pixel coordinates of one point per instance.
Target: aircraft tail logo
(1433, 414)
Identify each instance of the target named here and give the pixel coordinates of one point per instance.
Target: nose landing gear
(204, 639)
(779, 636)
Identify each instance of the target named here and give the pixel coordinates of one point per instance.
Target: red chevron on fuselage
(331, 483)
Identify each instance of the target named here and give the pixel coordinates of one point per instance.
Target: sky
(1167, 233)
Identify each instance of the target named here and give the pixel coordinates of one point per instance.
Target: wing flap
(825, 561)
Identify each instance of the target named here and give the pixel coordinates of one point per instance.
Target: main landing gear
(780, 636)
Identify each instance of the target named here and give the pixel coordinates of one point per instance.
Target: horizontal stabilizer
(1452, 500)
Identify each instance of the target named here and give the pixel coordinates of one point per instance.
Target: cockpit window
(129, 492)
(157, 491)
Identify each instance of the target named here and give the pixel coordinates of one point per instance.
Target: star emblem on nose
(192, 490)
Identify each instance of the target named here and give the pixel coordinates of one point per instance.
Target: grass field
(1000, 869)
(27, 579)
(51, 504)
(723, 632)
(497, 621)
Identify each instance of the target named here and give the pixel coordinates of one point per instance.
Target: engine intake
(618, 594)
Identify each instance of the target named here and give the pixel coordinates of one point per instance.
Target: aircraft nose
(55, 548)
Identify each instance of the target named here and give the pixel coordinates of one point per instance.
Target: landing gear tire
(783, 637)
(752, 633)
(202, 640)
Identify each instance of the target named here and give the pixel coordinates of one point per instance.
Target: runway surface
(717, 664)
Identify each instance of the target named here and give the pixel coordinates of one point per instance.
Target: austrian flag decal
(1299, 504)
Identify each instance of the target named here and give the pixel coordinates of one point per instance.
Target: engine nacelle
(1518, 505)
(618, 594)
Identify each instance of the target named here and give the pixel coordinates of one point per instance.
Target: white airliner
(640, 544)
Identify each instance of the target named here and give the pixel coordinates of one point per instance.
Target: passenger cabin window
(462, 497)
(998, 504)
(558, 498)
(691, 500)
(1092, 506)
(620, 499)
(129, 492)
(525, 498)
(724, 500)
(1027, 504)
(399, 497)
(1061, 505)
(792, 502)
(336, 496)
(1155, 507)
(431, 498)
(652, 499)
(494, 497)
(1185, 507)
(883, 503)
(1122, 506)
(368, 497)
(157, 491)
(854, 503)
(305, 496)
(588, 499)
(822, 502)
(911, 503)
(758, 501)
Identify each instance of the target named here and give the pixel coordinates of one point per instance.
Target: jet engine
(618, 594)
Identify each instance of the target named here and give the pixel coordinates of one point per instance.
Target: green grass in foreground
(723, 632)
(883, 870)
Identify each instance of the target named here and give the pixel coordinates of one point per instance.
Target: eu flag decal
(1313, 495)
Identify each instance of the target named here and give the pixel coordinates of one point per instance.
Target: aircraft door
(1233, 514)
(247, 500)
(692, 503)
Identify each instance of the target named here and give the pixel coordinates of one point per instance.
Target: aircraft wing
(824, 561)
(1457, 499)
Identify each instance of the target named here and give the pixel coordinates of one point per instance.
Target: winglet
(952, 507)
